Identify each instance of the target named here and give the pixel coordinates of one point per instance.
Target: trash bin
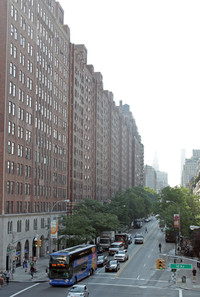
(183, 279)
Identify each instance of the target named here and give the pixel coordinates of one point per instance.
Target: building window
(42, 223)
(27, 223)
(12, 188)
(8, 207)
(12, 168)
(19, 226)
(10, 227)
(8, 167)
(35, 224)
(8, 187)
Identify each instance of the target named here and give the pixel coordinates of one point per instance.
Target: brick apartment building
(62, 136)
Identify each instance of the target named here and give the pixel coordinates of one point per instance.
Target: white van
(115, 247)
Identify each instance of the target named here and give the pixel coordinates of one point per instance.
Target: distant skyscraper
(155, 161)
(182, 162)
(190, 168)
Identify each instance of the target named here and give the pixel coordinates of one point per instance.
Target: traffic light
(36, 243)
(39, 243)
(160, 264)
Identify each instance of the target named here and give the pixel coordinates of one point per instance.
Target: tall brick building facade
(62, 135)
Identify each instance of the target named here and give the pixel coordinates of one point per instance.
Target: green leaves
(91, 217)
(174, 200)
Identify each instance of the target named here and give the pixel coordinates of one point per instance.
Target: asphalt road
(136, 277)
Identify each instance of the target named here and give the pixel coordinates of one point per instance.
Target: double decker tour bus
(68, 266)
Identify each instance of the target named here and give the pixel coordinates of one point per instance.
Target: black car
(100, 249)
(102, 260)
(112, 265)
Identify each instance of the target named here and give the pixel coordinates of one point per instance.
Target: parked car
(115, 247)
(78, 290)
(121, 256)
(139, 238)
(112, 265)
(102, 260)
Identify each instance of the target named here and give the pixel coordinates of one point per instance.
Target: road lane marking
(24, 290)
(180, 293)
(112, 277)
(133, 255)
(132, 286)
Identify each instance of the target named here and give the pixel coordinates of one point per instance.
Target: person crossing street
(7, 277)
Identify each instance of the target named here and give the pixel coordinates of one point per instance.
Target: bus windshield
(59, 266)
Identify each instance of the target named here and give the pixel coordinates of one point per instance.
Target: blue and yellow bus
(68, 266)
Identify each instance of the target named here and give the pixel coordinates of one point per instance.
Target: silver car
(139, 238)
(78, 290)
(121, 256)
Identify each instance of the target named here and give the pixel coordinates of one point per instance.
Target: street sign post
(181, 266)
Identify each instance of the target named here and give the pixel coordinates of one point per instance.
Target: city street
(137, 277)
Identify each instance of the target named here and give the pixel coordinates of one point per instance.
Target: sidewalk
(187, 273)
(40, 276)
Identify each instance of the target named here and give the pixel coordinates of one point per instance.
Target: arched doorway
(26, 250)
(10, 256)
(18, 255)
(34, 249)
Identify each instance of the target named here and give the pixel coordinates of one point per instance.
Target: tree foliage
(178, 200)
(91, 217)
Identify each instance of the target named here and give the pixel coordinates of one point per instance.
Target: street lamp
(179, 213)
(51, 227)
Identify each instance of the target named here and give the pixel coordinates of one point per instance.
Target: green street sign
(181, 266)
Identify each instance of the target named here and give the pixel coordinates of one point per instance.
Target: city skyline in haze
(148, 55)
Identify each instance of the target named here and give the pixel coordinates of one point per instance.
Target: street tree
(178, 200)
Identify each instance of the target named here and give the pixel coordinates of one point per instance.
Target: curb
(29, 281)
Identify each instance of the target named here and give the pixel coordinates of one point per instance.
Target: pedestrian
(1, 281)
(194, 272)
(32, 271)
(7, 277)
(23, 263)
(160, 247)
(146, 230)
(26, 265)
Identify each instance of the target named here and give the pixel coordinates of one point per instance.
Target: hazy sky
(149, 55)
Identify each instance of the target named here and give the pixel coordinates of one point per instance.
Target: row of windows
(41, 191)
(23, 5)
(13, 53)
(25, 207)
(59, 136)
(19, 190)
(45, 17)
(26, 226)
(59, 178)
(13, 89)
(11, 169)
(20, 150)
(12, 109)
